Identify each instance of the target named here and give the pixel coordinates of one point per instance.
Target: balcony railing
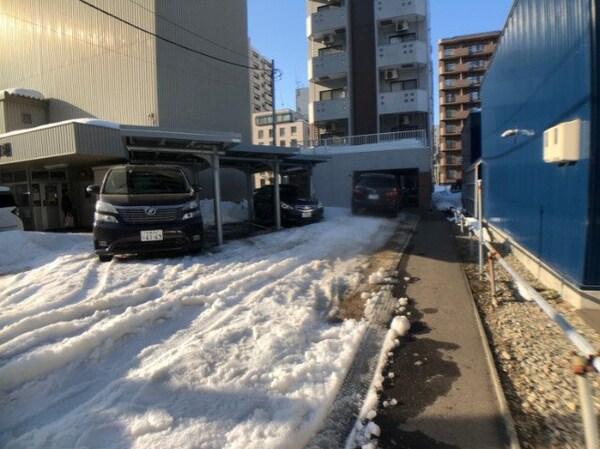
(403, 139)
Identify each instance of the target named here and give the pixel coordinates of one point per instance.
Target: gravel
(532, 355)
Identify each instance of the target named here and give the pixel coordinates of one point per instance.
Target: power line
(188, 30)
(185, 47)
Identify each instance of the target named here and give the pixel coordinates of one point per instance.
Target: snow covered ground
(232, 349)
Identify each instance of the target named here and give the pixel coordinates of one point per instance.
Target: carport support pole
(217, 200)
(276, 195)
(249, 195)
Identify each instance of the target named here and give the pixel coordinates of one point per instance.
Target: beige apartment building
(291, 131)
(463, 61)
(261, 87)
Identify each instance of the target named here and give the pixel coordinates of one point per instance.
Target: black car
(376, 192)
(144, 209)
(295, 207)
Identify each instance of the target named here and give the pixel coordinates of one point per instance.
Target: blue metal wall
(540, 76)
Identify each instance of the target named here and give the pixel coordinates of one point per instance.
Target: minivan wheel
(105, 257)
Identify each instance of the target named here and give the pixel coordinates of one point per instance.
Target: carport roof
(162, 145)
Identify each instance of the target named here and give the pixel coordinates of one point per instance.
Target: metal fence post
(586, 399)
(480, 218)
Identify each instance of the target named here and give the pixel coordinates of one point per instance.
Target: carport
(218, 150)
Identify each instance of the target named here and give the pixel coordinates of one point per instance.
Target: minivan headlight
(105, 212)
(191, 210)
(285, 206)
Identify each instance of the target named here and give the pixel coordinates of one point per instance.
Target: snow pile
(25, 93)
(365, 431)
(227, 350)
(230, 212)
(20, 250)
(443, 199)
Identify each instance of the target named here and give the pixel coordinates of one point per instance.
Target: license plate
(306, 214)
(373, 196)
(151, 236)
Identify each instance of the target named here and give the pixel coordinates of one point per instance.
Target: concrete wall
(332, 181)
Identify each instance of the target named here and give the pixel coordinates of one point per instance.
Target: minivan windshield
(145, 181)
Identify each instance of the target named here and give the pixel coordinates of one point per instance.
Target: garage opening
(408, 183)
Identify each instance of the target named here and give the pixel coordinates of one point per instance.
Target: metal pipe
(576, 338)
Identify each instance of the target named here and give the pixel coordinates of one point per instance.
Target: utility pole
(274, 124)
(276, 198)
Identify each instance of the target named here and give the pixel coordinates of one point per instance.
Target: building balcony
(331, 66)
(403, 53)
(459, 52)
(455, 115)
(459, 84)
(372, 142)
(402, 101)
(451, 161)
(393, 9)
(331, 109)
(327, 21)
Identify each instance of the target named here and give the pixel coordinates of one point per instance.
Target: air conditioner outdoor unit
(404, 120)
(390, 74)
(402, 26)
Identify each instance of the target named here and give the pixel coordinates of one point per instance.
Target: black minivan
(144, 209)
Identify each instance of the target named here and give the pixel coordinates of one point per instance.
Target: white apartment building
(370, 81)
(369, 66)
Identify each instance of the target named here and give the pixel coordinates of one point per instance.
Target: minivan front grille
(136, 215)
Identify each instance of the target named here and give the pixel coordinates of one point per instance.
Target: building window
(476, 48)
(270, 133)
(449, 82)
(474, 96)
(261, 133)
(450, 66)
(334, 94)
(448, 52)
(26, 118)
(450, 113)
(450, 98)
(474, 80)
(282, 143)
(293, 130)
(403, 85)
(294, 143)
(450, 144)
(408, 37)
(450, 128)
(281, 132)
(476, 64)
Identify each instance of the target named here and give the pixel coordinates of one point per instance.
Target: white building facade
(370, 81)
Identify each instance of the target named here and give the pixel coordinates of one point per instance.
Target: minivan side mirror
(196, 188)
(94, 188)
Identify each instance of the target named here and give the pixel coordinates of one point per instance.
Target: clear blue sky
(277, 29)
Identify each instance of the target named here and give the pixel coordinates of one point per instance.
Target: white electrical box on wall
(562, 143)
